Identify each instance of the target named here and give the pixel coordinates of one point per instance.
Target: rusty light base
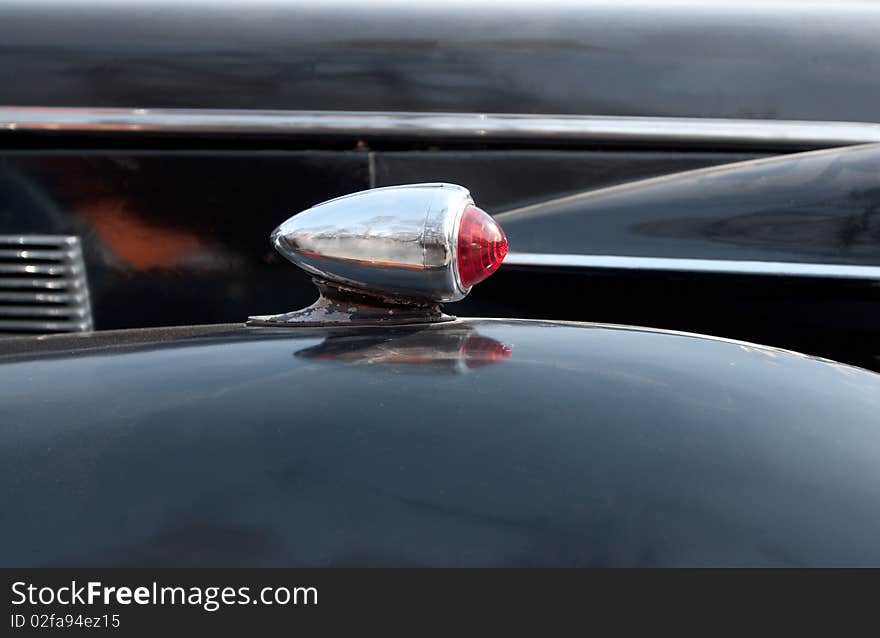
(340, 306)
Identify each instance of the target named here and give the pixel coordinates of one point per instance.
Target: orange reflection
(138, 243)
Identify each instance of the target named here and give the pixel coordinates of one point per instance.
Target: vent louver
(43, 285)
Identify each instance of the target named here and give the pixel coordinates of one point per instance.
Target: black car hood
(475, 442)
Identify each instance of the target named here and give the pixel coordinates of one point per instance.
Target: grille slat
(42, 285)
(44, 311)
(39, 240)
(37, 326)
(75, 298)
(45, 284)
(29, 268)
(37, 253)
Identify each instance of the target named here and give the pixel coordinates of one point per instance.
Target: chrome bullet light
(399, 251)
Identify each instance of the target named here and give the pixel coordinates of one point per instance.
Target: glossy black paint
(502, 180)
(817, 207)
(542, 444)
(784, 60)
(830, 318)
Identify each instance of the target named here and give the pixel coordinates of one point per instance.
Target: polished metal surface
(43, 285)
(397, 241)
(484, 127)
(717, 266)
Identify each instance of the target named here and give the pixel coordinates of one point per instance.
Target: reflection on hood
(449, 351)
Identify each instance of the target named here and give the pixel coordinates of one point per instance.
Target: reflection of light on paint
(141, 244)
(452, 350)
(762, 351)
(478, 351)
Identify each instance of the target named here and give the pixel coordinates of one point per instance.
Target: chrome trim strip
(483, 127)
(712, 266)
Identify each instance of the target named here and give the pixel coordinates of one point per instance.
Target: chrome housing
(397, 241)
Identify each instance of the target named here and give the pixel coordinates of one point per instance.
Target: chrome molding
(482, 127)
(709, 266)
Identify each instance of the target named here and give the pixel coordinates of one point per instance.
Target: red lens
(481, 246)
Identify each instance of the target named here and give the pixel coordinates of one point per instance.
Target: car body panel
(475, 442)
(819, 207)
